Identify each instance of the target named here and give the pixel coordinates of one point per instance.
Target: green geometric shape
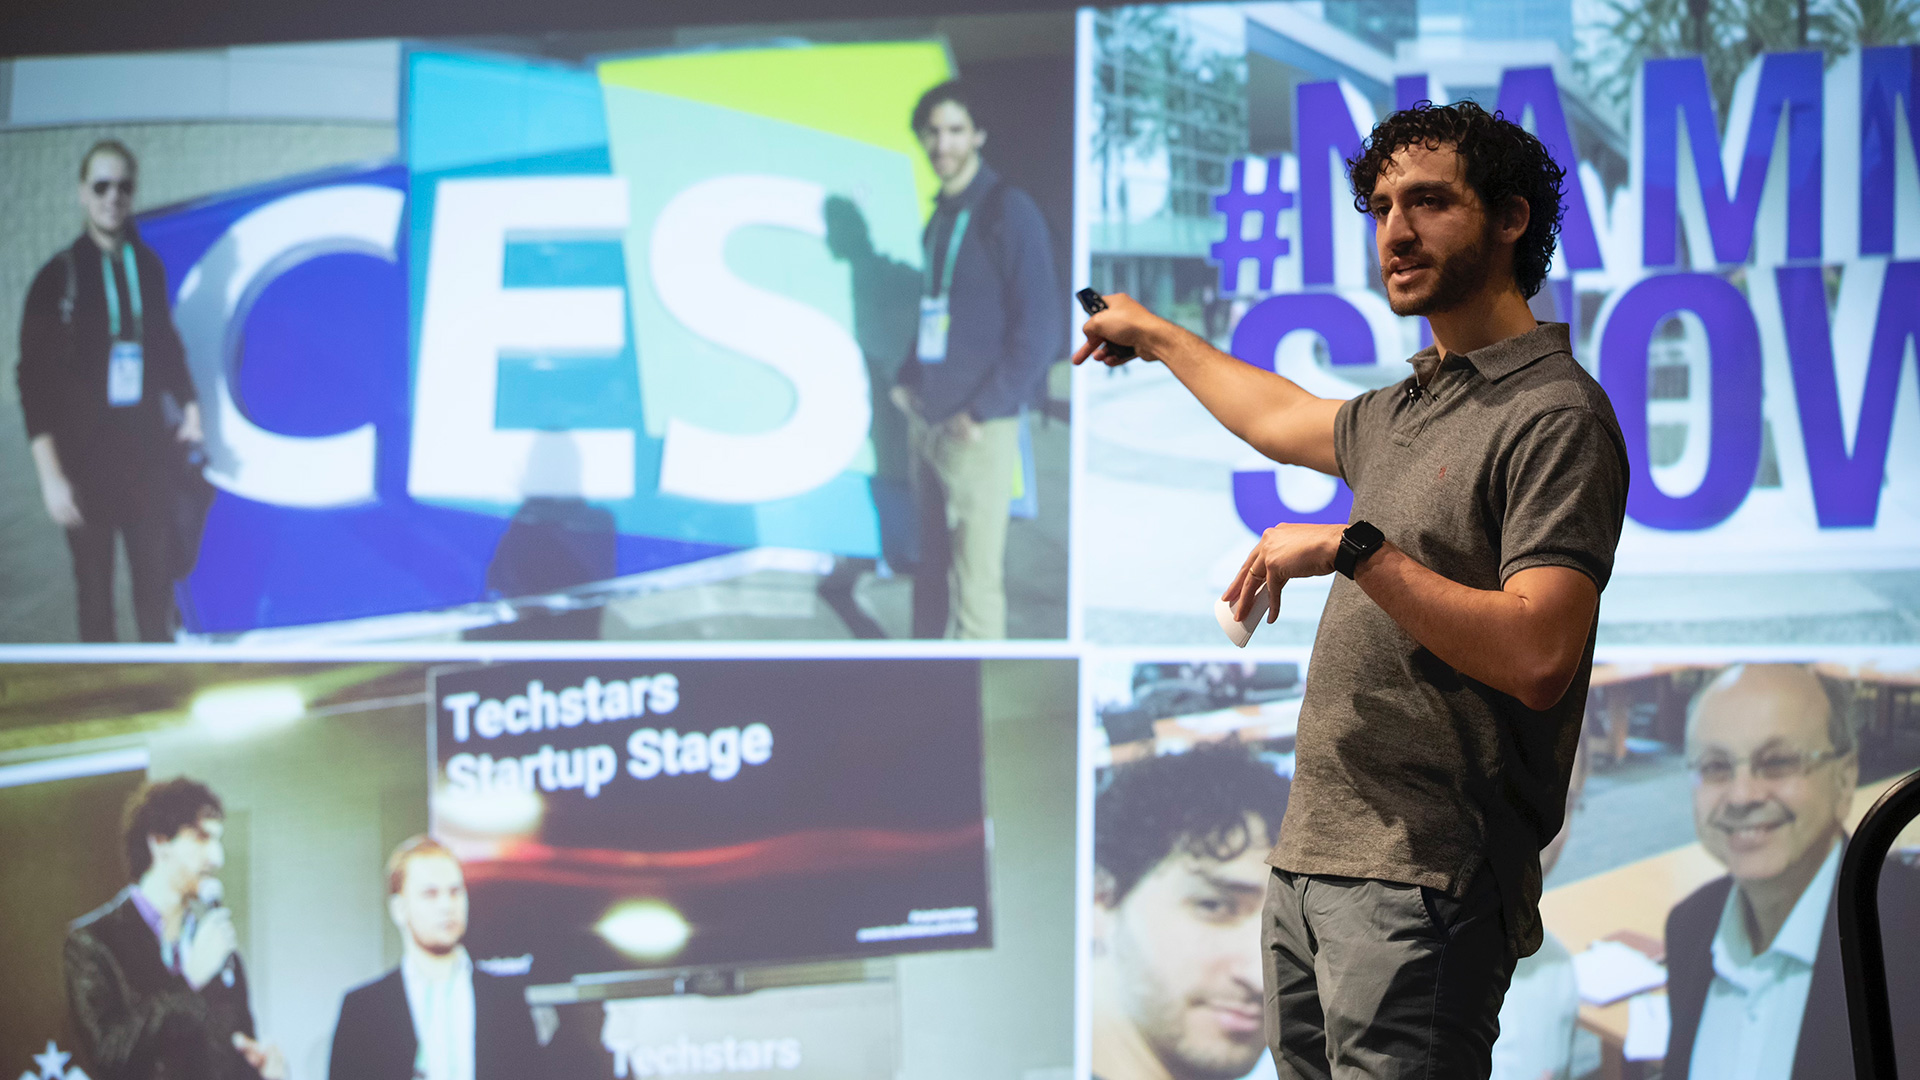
(863, 91)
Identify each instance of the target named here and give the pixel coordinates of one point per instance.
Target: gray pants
(1381, 980)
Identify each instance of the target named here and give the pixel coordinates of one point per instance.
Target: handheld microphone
(213, 895)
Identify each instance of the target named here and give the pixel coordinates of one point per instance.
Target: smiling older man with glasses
(1753, 958)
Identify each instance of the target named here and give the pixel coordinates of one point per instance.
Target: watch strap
(1360, 540)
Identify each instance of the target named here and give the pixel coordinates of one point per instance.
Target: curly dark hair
(1194, 803)
(162, 809)
(1503, 161)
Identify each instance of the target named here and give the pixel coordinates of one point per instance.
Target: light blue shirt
(442, 1020)
(1538, 1017)
(1751, 1024)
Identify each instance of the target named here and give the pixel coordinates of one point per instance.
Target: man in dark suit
(154, 983)
(1753, 959)
(435, 1017)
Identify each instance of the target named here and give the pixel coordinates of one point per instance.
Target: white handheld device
(1239, 631)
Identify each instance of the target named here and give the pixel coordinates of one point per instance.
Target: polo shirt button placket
(1419, 406)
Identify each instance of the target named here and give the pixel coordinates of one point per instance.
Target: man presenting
(434, 1017)
(1444, 699)
(1753, 959)
(154, 983)
(1177, 887)
(991, 320)
(98, 351)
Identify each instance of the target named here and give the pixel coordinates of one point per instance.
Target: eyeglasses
(101, 187)
(1716, 770)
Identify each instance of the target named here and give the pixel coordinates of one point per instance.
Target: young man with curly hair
(155, 983)
(1177, 889)
(1444, 698)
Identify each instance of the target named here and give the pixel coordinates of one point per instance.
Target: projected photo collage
(606, 520)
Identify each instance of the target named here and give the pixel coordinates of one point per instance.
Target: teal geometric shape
(873, 218)
(682, 374)
(473, 116)
(466, 110)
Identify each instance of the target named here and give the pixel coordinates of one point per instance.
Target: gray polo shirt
(1405, 770)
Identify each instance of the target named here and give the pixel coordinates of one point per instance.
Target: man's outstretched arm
(1270, 412)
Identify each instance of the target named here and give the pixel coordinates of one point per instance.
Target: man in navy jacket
(992, 318)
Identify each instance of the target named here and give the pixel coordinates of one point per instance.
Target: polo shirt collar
(1502, 358)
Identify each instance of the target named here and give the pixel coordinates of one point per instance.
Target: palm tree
(1642, 30)
(1730, 33)
(1867, 23)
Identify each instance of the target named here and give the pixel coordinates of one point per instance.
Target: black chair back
(1863, 955)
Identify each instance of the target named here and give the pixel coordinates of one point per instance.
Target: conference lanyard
(939, 286)
(113, 294)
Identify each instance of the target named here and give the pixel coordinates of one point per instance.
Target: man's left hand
(961, 427)
(903, 400)
(1288, 550)
(266, 1058)
(190, 424)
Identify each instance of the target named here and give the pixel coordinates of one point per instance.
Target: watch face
(1364, 535)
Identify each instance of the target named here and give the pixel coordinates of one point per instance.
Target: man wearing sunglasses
(106, 394)
(1753, 959)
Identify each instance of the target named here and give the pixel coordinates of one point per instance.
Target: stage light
(648, 930)
(494, 814)
(230, 712)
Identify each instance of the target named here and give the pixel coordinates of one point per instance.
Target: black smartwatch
(1359, 541)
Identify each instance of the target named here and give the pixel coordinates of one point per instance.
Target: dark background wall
(47, 27)
(61, 841)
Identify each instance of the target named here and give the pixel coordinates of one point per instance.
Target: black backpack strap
(71, 293)
(993, 209)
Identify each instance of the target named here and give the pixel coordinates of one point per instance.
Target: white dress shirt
(1538, 1016)
(1751, 1024)
(442, 1011)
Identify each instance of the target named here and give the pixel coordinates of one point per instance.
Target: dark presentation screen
(656, 814)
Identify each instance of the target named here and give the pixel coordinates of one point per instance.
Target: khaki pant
(962, 489)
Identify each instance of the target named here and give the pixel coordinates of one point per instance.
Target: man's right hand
(1125, 322)
(57, 493)
(1270, 412)
(213, 941)
(267, 1059)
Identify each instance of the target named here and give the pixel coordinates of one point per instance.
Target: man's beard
(1459, 276)
(1160, 1015)
(437, 948)
(1195, 1058)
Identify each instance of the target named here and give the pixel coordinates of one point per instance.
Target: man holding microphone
(154, 981)
(1444, 700)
